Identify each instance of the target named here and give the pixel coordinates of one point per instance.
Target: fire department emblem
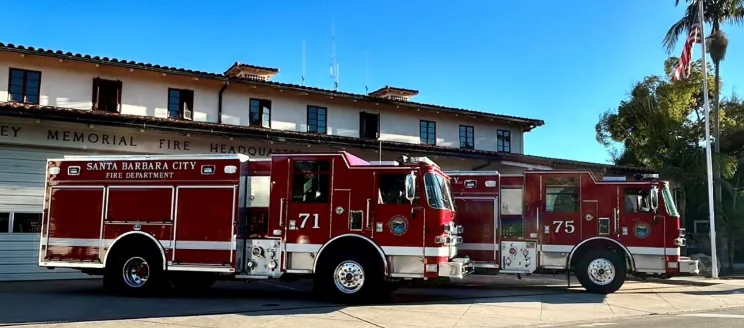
(398, 225)
(642, 230)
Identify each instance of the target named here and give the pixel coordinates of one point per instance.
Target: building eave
(11, 109)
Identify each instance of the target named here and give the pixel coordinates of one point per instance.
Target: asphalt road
(729, 318)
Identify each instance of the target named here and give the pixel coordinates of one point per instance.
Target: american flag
(685, 60)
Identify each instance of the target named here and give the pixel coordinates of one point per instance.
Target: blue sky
(564, 62)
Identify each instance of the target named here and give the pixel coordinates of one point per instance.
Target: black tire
(120, 275)
(356, 265)
(608, 271)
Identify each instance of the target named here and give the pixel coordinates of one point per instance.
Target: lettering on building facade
(118, 139)
(9, 131)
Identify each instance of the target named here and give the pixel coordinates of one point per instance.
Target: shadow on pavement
(85, 300)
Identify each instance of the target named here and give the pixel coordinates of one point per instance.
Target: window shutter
(378, 126)
(362, 124)
(96, 88)
(119, 86)
(188, 104)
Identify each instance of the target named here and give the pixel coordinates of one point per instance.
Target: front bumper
(688, 266)
(457, 268)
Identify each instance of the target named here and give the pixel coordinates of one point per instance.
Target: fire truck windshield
(438, 193)
(671, 207)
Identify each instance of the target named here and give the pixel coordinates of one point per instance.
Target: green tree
(662, 125)
(715, 13)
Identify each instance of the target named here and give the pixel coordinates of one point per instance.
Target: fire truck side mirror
(411, 186)
(654, 197)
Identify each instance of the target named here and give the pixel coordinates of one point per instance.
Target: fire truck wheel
(135, 273)
(350, 277)
(601, 271)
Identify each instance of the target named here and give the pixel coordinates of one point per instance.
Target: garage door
(21, 199)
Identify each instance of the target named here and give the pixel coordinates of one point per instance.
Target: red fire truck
(356, 227)
(549, 221)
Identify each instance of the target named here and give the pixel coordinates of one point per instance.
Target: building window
(369, 125)
(316, 119)
(310, 181)
(4, 222)
(428, 132)
(180, 104)
(106, 95)
(24, 85)
(260, 113)
(561, 195)
(503, 141)
(701, 226)
(20, 222)
(467, 137)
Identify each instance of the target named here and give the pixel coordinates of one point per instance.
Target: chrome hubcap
(349, 277)
(136, 271)
(601, 271)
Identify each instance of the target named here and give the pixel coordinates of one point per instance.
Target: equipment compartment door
(73, 232)
(204, 225)
(478, 217)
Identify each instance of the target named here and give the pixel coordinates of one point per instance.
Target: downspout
(219, 102)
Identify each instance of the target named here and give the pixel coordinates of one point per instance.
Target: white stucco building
(57, 103)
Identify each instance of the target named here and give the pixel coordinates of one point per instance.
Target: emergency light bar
(417, 160)
(646, 176)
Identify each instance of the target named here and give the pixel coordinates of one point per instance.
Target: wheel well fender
(598, 242)
(351, 241)
(136, 239)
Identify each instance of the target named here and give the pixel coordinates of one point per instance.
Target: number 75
(568, 226)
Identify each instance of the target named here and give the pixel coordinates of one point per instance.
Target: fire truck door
(308, 219)
(561, 217)
(638, 225)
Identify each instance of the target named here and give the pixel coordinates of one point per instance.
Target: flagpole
(708, 157)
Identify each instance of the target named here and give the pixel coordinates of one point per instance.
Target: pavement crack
(360, 319)
(170, 323)
(667, 302)
(462, 315)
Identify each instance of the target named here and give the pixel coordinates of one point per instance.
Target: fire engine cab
(355, 227)
(548, 221)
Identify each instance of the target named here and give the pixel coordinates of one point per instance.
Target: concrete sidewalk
(469, 305)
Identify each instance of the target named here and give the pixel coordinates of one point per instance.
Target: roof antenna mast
(366, 74)
(303, 62)
(334, 65)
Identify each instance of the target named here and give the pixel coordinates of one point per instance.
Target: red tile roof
(526, 123)
(238, 131)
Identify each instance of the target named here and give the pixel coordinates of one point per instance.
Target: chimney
(398, 94)
(251, 72)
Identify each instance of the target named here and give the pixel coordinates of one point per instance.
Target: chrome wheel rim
(349, 277)
(601, 271)
(136, 272)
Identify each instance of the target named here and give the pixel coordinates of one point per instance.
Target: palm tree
(715, 12)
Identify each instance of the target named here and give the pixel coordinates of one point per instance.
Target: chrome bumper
(688, 266)
(457, 268)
